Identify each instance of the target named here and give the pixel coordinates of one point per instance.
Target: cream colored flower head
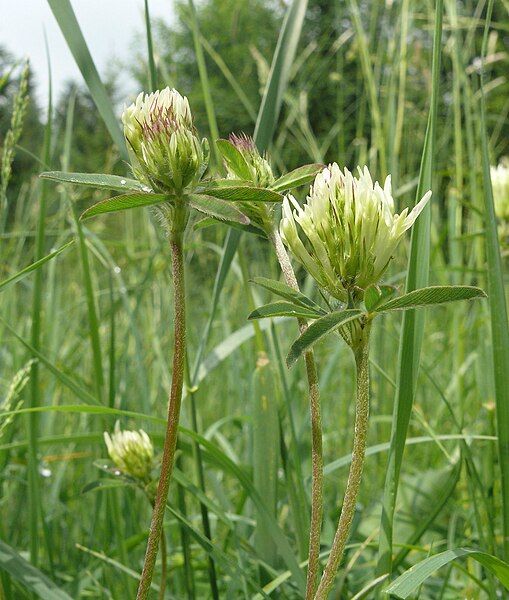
(165, 152)
(346, 233)
(131, 451)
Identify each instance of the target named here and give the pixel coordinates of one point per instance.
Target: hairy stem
(170, 442)
(316, 430)
(355, 474)
(164, 570)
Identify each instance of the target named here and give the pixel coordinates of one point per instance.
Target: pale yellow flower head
(131, 451)
(165, 152)
(346, 233)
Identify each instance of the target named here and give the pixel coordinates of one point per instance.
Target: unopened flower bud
(165, 152)
(259, 167)
(131, 451)
(256, 169)
(348, 228)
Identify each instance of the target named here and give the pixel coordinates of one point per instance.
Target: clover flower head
(346, 233)
(165, 151)
(131, 451)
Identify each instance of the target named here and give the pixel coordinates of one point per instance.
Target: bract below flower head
(131, 451)
(346, 233)
(165, 151)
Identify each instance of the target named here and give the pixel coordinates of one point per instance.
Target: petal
(416, 210)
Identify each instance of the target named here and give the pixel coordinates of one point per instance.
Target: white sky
(108, 26)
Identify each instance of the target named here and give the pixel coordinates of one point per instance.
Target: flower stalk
(316, 429)
(170, 442)
(361, 353)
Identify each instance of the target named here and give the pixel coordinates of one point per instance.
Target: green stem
(316, 429)
(170, 442)
(164, 570)
(354, 476)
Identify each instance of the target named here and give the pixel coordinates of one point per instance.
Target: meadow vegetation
(417, 90)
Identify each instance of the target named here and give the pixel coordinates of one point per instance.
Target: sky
(109, 27)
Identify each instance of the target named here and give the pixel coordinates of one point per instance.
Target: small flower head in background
(131, 451)
(165, 152)
(254, 168)
(347, 231)
(500, 183)
(258, 165)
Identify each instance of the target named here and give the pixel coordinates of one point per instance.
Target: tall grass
(92, 318)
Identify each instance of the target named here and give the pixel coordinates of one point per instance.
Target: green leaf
(96, 180)
(319, 329)
(28, 576)
(103, 484)
(376, 295)
(297, 177)
(283, 309)
(439, 294)
(69, 26)
(244, 193)
(123, 202)
(209, 221)
(214, 207)
(35, 265)
(288, 293)
(407, 583)
(234, 159)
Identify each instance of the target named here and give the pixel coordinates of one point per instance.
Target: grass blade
(279, 74)
(31, 578)
(413, 322)
(407, 583)
(498, 307)
(69, 26)
(20, 275)
(152, 71)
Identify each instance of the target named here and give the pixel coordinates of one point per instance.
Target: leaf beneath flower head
(432, 295)
(244, 193)
(219, 209)
(375, 295)
(297, 177)
(283, 309)
(97, 180)
(319, 329)
(288, 293)
(209, 221)
(124, 202)
(234, 159)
